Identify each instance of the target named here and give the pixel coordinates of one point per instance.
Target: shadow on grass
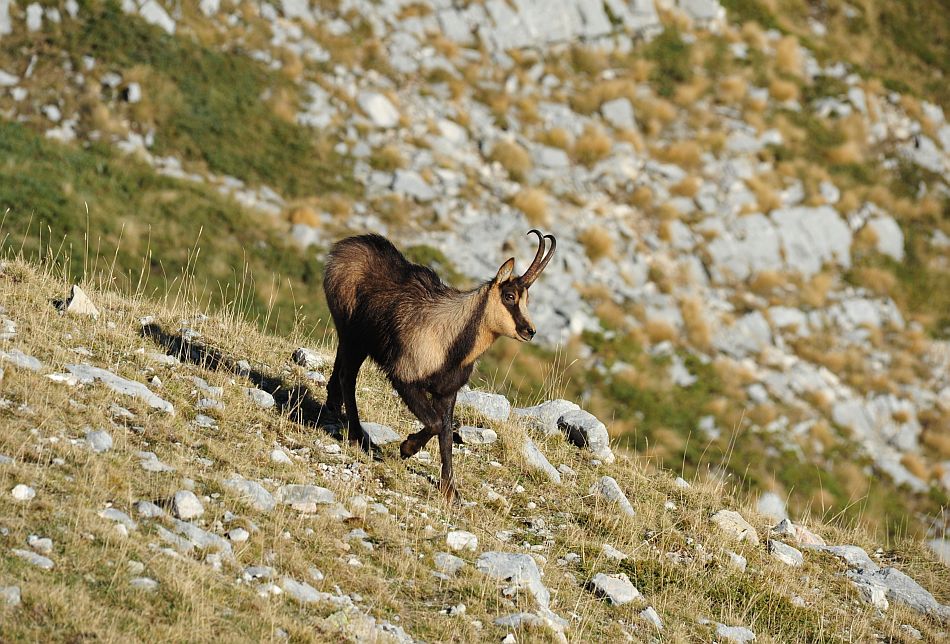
(294, 400)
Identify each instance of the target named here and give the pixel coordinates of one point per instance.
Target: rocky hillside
(164, 477)
(751, 201)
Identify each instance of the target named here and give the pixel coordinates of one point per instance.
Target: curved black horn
(540, 259)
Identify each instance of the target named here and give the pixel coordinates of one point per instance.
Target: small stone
(616, 588)
(447, 564)
(252, 493)
(310, 359)
(144, 583)
(612, 553)
(731, 522)
(772, 505)
(493, 406)
(518, 569)
(80, 304)
(259, 397)
(737, 634)
(737, 561)
(149, 510)
(305, 498)
(785, 553)
(238, 535)
(280, 457)
(649, 614)
(461, 540)
(380, 435)
(10, 596)
(43, 545)
(23, 493)
(798, 533)
(379, 109)
(301, 591)
(186, 505)
(99, 441)
(119, 517)
(477, 435)
(37, 560)
(544, 417)
(608, 488)
(536, 460)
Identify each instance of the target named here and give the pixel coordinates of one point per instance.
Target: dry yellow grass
(597, 242)
(513, 158)
(696, 323)
(592, 145)
(303, 215)
(788, 56)
(89, 590)
(688, 187)
(848, 152)
(783, 90)
(557, 137)
(733, 89)
(533, 202)
(685, 153)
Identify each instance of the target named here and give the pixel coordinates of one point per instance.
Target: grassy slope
(46, 189)
(87, 595)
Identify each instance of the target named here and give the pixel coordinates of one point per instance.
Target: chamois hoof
(408, 448)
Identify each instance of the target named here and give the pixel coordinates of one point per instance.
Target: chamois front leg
(445, 450)
(422, 407)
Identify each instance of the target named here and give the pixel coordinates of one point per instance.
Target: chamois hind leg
(334, 402)
(418, 402)
(447, 484)
(353, 358)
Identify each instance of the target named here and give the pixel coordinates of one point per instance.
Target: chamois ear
(504, 273)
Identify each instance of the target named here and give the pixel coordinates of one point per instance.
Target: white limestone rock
(536, 460)
(584, 430)
(608, 489)
(732, 523)
(186, 505)
(616, 588)
(461, 540)
(79, 303)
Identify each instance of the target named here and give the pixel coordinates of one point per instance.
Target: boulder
(584, 430)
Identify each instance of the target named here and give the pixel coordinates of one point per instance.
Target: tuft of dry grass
(783, 90)
(684, 153)
(303, 214)
(788, 56)
(733, 89)
(696, 321)
(533, 202)
(513, 158)
(597, 242)
(592, 145)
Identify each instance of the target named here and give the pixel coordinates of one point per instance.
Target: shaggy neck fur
(448, 331)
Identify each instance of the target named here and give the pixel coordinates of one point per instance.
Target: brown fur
(425, 335)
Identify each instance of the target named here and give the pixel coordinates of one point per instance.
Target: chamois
(425, 335)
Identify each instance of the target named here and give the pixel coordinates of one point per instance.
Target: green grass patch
(213, 106)
(670, 53)
(155, 222)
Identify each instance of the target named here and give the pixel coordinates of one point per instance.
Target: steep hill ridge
(162, 478)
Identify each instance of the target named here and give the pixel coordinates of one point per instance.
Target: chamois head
(507, 310)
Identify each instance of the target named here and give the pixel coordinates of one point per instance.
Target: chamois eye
(509, 297)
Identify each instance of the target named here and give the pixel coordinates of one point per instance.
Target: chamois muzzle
(541, 259)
